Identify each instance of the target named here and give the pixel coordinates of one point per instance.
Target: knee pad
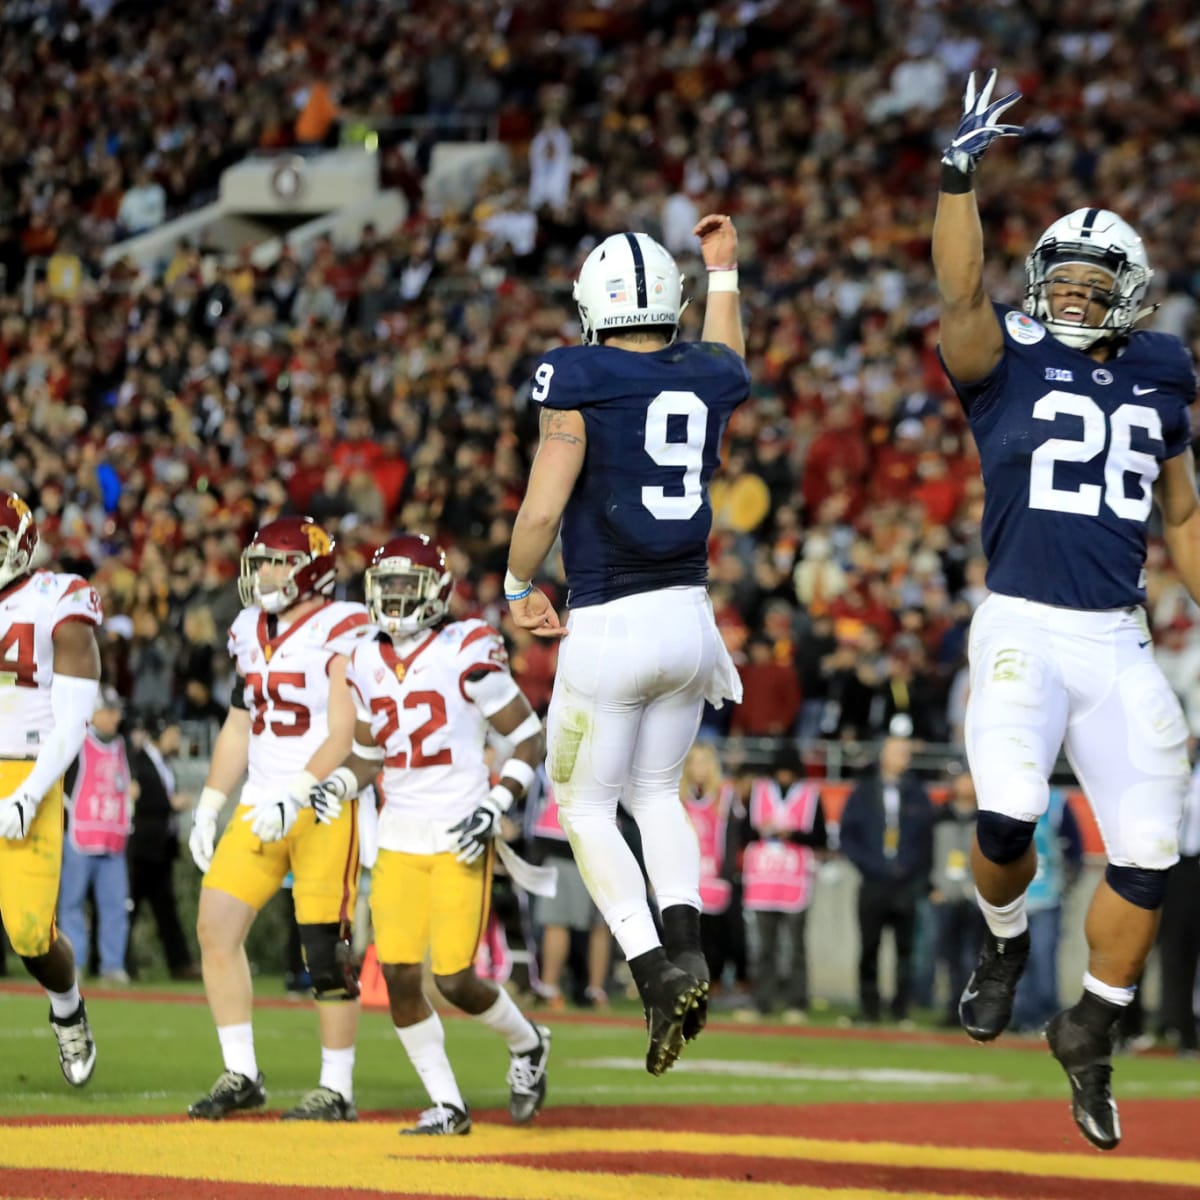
(330, 961)
(1140, 887)
(1003, 839)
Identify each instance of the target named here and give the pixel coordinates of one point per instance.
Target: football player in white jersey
(426, 690)
(49, 680)
(290, 725)
(1082, 422)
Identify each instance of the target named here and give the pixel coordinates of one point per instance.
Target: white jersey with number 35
(30, 611)
(430, 730)
(286, 687)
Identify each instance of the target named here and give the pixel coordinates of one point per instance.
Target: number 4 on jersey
(17, 660)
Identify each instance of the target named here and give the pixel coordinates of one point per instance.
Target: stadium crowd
(155, 418)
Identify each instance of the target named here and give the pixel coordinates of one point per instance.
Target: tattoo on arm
(552, 427)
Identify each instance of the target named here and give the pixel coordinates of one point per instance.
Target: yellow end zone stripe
(372, 1155)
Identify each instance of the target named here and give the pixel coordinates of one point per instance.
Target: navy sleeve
(559, 380)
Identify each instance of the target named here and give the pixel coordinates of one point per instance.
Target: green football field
(157, 1055)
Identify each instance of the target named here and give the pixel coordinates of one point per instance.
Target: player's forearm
(533, 534)
(958, 250)
(723, 320)
(1183, 544)
(231, 753)
(72, 701)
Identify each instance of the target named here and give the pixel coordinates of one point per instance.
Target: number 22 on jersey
(433, 706)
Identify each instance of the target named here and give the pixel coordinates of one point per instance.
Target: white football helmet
(1100, 238)
(627, 281)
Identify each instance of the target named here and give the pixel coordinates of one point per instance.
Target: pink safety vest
(546, 824)
(101, 804)
(776, 875)
(710, 819)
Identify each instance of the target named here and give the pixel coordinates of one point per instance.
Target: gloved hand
(202, 841)
(272, 820)
(326, 797)
(978, 128)
(474, 832)
(16, 815)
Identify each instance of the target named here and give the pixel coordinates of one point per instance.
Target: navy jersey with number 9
(1062, 437)
(639, 517)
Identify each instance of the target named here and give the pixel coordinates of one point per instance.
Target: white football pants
(1042, 676)
(632, 678)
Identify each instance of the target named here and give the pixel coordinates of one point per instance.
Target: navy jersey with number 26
(1070, 449)
(639, 517)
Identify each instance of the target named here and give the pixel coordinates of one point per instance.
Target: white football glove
(202, 841)
(326, 797)
(272, 821)
(16, 816)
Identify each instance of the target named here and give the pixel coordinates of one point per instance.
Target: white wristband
(723, 281)
(212, 800)
(530, 727)
(501, 798)
(342, 783)
(301, 785)
(516, 589)
(520, 771)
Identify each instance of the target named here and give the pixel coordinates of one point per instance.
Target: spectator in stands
(771, 703)
(143, 207)
(887, 834)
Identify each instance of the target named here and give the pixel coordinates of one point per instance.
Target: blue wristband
(519, 595)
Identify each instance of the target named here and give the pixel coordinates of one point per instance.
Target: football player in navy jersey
(631, 428)
(1081, 421)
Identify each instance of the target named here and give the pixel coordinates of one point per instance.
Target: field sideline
(758, 1113)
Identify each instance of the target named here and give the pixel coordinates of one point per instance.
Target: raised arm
(971, 338)
(722, 310)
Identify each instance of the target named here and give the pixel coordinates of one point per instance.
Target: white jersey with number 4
(417, 702)
(30, 611)
(286, 687)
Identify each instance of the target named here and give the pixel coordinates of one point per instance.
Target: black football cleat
(76, 1047)
(441, 1120)
(986, 1005)
(322, 1104)
(231, 1093)
(1086, 1057)
(527, 1079)
(670, 1004)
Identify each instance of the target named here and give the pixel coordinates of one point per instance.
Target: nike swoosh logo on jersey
(1138, 390)
(1143, 645)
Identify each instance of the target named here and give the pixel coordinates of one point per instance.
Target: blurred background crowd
(155, 416)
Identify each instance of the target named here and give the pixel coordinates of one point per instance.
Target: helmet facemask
(1124, 297)
(404, 597)
(277, 599)
(18, 550)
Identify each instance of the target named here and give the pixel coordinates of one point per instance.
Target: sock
(425, 1045)
(681, 929)
(1007, 921)
(65, 1004)
(237, 1049)
(337, 1071)
(510, 1023)
(1122, 997)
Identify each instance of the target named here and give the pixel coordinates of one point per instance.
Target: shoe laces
(438, 1117)
(523, 1073)
(74, 1040)
(318, 1100)
(228, 1081)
